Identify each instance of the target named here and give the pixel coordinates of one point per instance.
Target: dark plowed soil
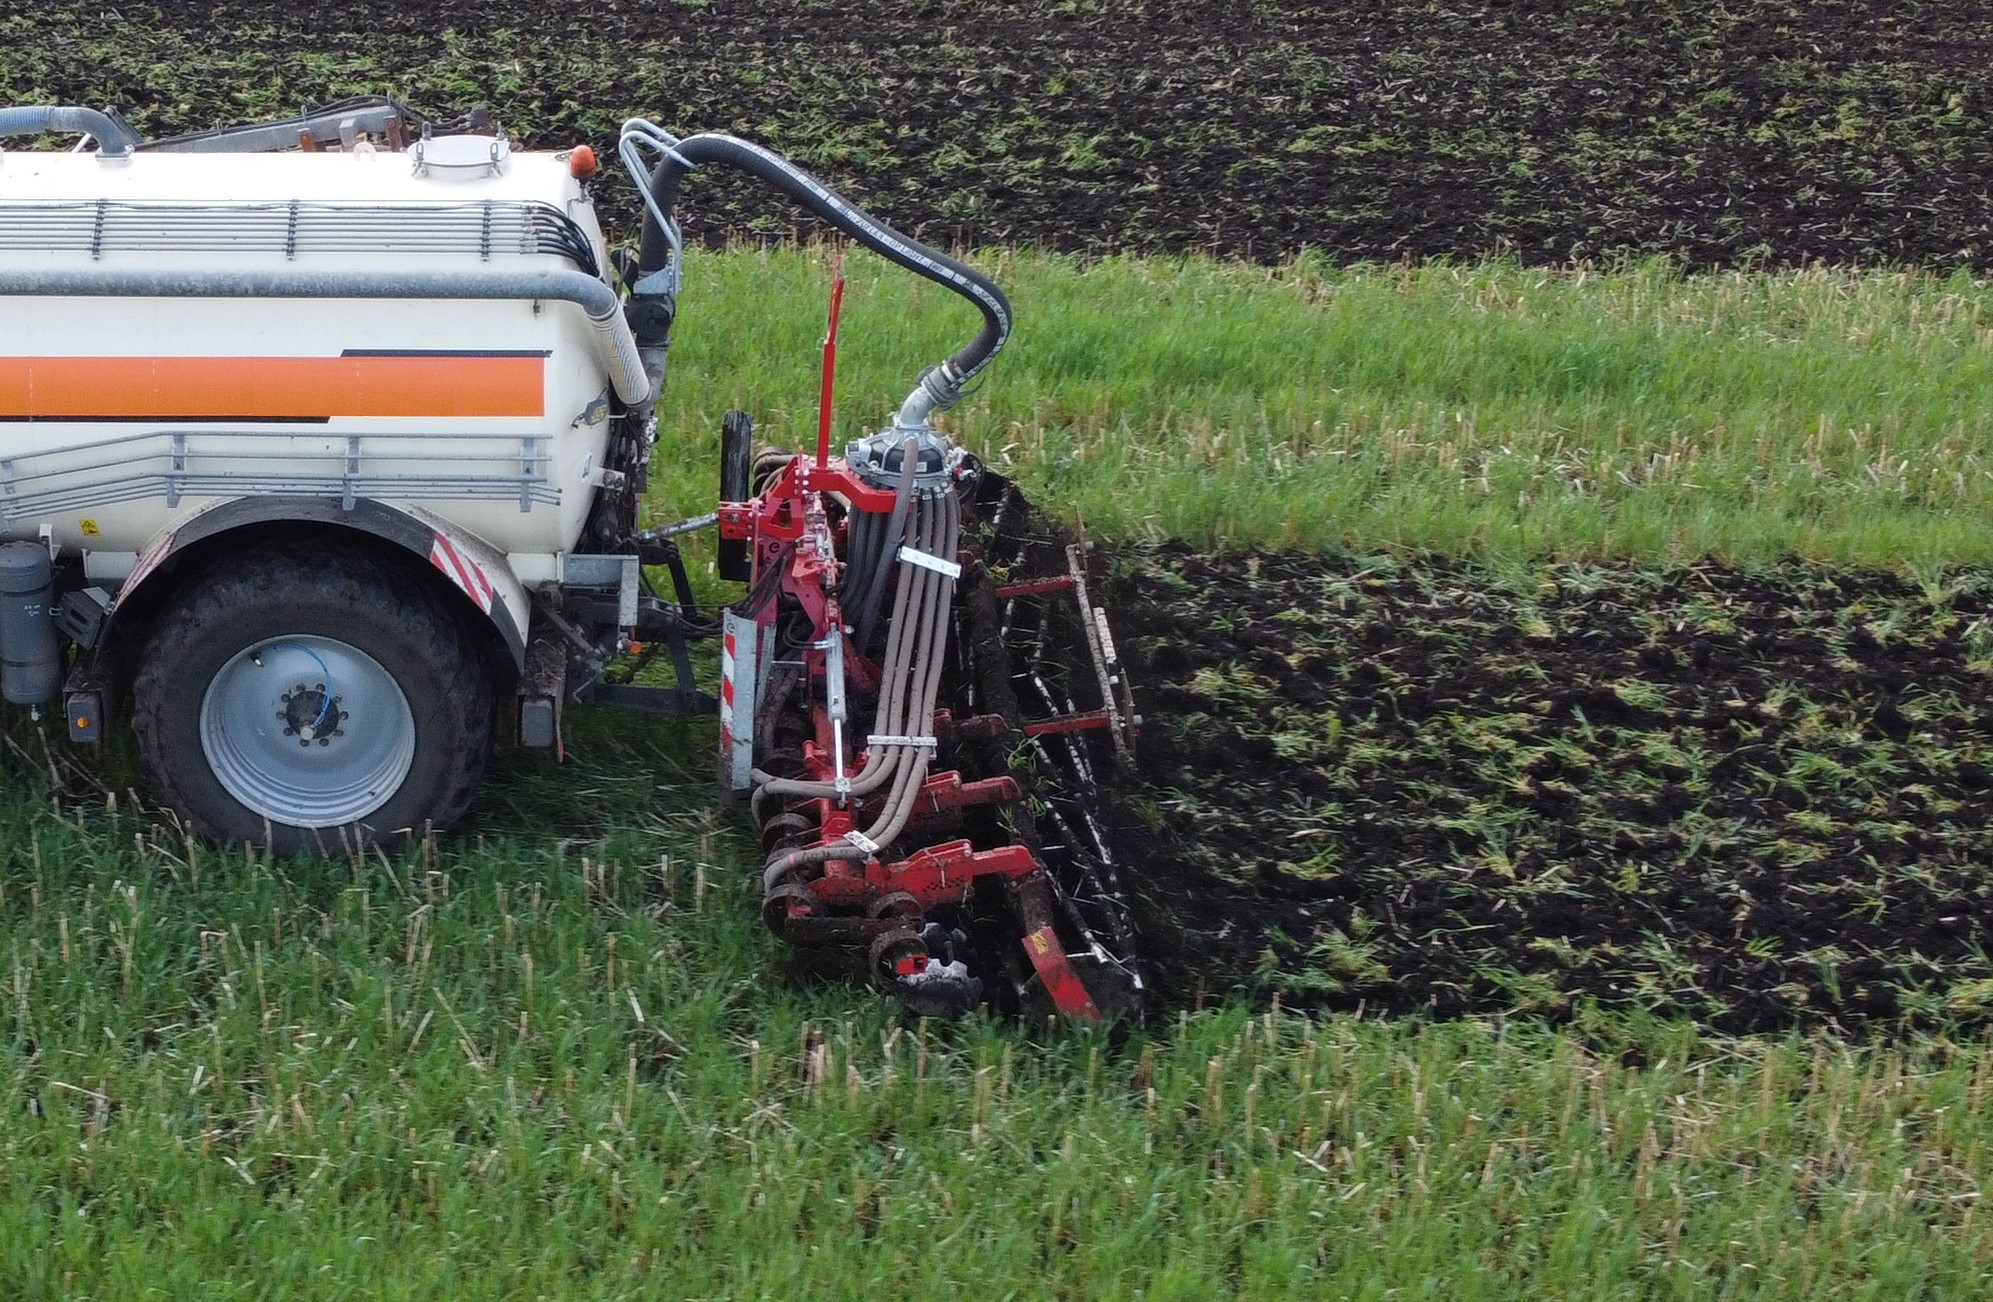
(1758, 798)
(1773, 130)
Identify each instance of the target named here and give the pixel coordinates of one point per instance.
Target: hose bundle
(910, 685)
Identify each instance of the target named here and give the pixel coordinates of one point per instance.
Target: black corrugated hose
(786, 177)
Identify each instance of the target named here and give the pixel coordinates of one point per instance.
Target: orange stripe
(271, 387)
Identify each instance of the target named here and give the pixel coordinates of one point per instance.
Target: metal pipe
(114, 139)
(614, 345)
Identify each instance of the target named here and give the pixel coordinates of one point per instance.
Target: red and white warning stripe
(148, 561)
(728, 645)
(462, 571)
(739, 640)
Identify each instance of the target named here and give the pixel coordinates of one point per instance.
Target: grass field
(1485, 409)
(520, 1066)
(554, 1055)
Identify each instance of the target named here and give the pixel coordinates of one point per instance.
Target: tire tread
(211, 602)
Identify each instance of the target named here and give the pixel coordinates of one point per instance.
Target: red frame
(789, 527)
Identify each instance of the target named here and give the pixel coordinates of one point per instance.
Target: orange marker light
(581, 162)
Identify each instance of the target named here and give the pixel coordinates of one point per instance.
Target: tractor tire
(311, 700)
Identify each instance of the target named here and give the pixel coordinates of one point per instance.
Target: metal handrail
(293, 228)
(344, 465)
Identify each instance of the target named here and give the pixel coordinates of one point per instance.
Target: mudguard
(477, 571)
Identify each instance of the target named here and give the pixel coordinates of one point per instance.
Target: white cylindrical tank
(121, 412)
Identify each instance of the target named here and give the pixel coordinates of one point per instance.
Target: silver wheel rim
(307, 731)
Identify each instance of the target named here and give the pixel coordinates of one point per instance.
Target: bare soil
(1780, 131)
(1760, 798)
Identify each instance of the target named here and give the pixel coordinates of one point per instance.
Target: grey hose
(898, 810)
(910, 704)
(114, 139)
(908, 624)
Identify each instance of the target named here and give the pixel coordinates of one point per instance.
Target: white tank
(118, 415)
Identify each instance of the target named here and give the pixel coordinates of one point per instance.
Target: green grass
(555, 1055)
(1490, 409)
(515, 1065)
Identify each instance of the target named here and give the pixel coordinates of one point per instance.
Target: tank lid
(461, 157)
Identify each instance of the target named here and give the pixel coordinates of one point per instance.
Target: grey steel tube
(30, 660)
(114, 139)
(614, 346)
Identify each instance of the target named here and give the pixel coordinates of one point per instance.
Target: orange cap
(581, 162)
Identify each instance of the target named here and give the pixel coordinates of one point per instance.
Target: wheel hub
(310, 714)
(272, 713)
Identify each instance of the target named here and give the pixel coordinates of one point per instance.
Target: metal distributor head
(880, 459)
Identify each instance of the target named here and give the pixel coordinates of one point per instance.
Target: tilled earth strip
(1782, 131)
(1762, 798)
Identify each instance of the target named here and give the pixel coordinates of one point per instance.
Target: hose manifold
(882, 459)
(938, 389)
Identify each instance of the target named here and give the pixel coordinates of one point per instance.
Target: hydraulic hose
(941, 386)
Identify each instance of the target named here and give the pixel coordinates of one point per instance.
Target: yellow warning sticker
(89, 528)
